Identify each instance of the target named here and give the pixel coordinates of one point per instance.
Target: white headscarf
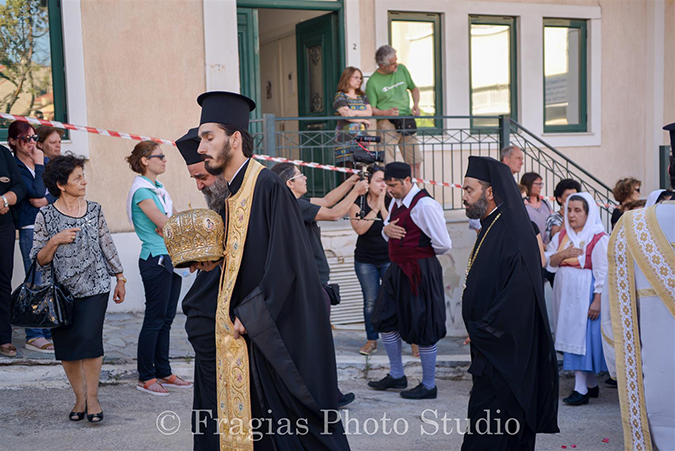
(592, 227)
(651, 200)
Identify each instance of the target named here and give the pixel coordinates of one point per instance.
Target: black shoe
(576, 399)
(95, 417)
(347, 399)
(593, 392)
(420, 392)
(389, 382)
(76, 416)
(611, 383)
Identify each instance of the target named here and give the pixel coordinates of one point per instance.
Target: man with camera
(387, 91)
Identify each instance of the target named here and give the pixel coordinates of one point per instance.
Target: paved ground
(35, 399)
(120, 336)
(33, 418)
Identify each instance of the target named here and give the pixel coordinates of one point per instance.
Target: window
(564, 75)
(416, 38)
(493, 67)
(32, 80)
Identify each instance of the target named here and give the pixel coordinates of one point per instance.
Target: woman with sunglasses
(148, 207)
(31, 162)
(537, 207)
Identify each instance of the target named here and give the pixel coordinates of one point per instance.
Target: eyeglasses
(29, 138)
(539, 184)
(160, 156)
(296, 176)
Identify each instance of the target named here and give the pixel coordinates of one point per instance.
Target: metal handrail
(337, 118)
(558, 153)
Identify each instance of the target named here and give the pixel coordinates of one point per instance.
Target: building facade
(595, 79)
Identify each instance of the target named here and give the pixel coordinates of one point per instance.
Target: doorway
(290, 63)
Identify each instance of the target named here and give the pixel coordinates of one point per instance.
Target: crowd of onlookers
(43, 197)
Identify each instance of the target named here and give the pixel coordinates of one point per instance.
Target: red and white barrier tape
(114, 134)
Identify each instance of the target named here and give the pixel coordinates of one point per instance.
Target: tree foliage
(22, 24)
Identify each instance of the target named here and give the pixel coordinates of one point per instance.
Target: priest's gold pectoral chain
(474, 254)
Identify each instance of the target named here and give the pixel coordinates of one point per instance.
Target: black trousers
(162, 289)
(7, 239)
(202, 335)
(491, 426)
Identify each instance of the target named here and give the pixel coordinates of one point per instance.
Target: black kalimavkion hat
(227, 108)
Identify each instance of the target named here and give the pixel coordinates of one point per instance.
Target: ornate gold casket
(195, 235)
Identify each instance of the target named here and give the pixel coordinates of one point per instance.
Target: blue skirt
(594, 359)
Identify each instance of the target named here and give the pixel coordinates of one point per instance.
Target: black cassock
(513, 365)
(279, 300)
(199, 306)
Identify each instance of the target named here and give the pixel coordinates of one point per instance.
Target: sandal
(95, 417)
(171, 381)
(145, 386)
(47, 348)
(8, 350)
(369, 348)
(77, 416)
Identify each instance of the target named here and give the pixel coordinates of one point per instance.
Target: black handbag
(406, 125)
(43, 306)
(333, 291)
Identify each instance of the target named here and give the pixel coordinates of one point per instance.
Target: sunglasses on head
(29, 138)
(161, 156)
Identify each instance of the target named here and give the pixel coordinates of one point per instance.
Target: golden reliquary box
(195, 235)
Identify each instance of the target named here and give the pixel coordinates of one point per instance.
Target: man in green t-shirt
(387, 91)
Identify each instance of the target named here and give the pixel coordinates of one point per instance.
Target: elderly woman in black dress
(73, 236)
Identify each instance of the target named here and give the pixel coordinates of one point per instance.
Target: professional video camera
(362, 157)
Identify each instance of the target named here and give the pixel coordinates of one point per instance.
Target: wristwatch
(122, 279)
(6, 201)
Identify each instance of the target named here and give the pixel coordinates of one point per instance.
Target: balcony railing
(445, 149)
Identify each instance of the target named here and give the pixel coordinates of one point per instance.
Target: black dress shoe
(593, 392)
(576, 399)
(346, 399)
(420, 392)
(611, 383)
(389, 382)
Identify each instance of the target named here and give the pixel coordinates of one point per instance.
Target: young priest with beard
(275, 358)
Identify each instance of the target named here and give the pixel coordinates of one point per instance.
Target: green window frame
(513, 67)
(428, 126)
(58, 66)
(580, 25)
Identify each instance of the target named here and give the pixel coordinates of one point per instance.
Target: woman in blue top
(148, 208)
(31, 162)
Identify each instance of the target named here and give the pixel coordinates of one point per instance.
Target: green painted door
(249, 64)
(319, 70)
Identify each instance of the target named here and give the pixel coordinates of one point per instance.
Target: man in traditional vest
(411, 304)
(275, 359)
(638, 321)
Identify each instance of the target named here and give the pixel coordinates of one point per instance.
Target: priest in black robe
(276, 303)
(513, 362)
(199, 306)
